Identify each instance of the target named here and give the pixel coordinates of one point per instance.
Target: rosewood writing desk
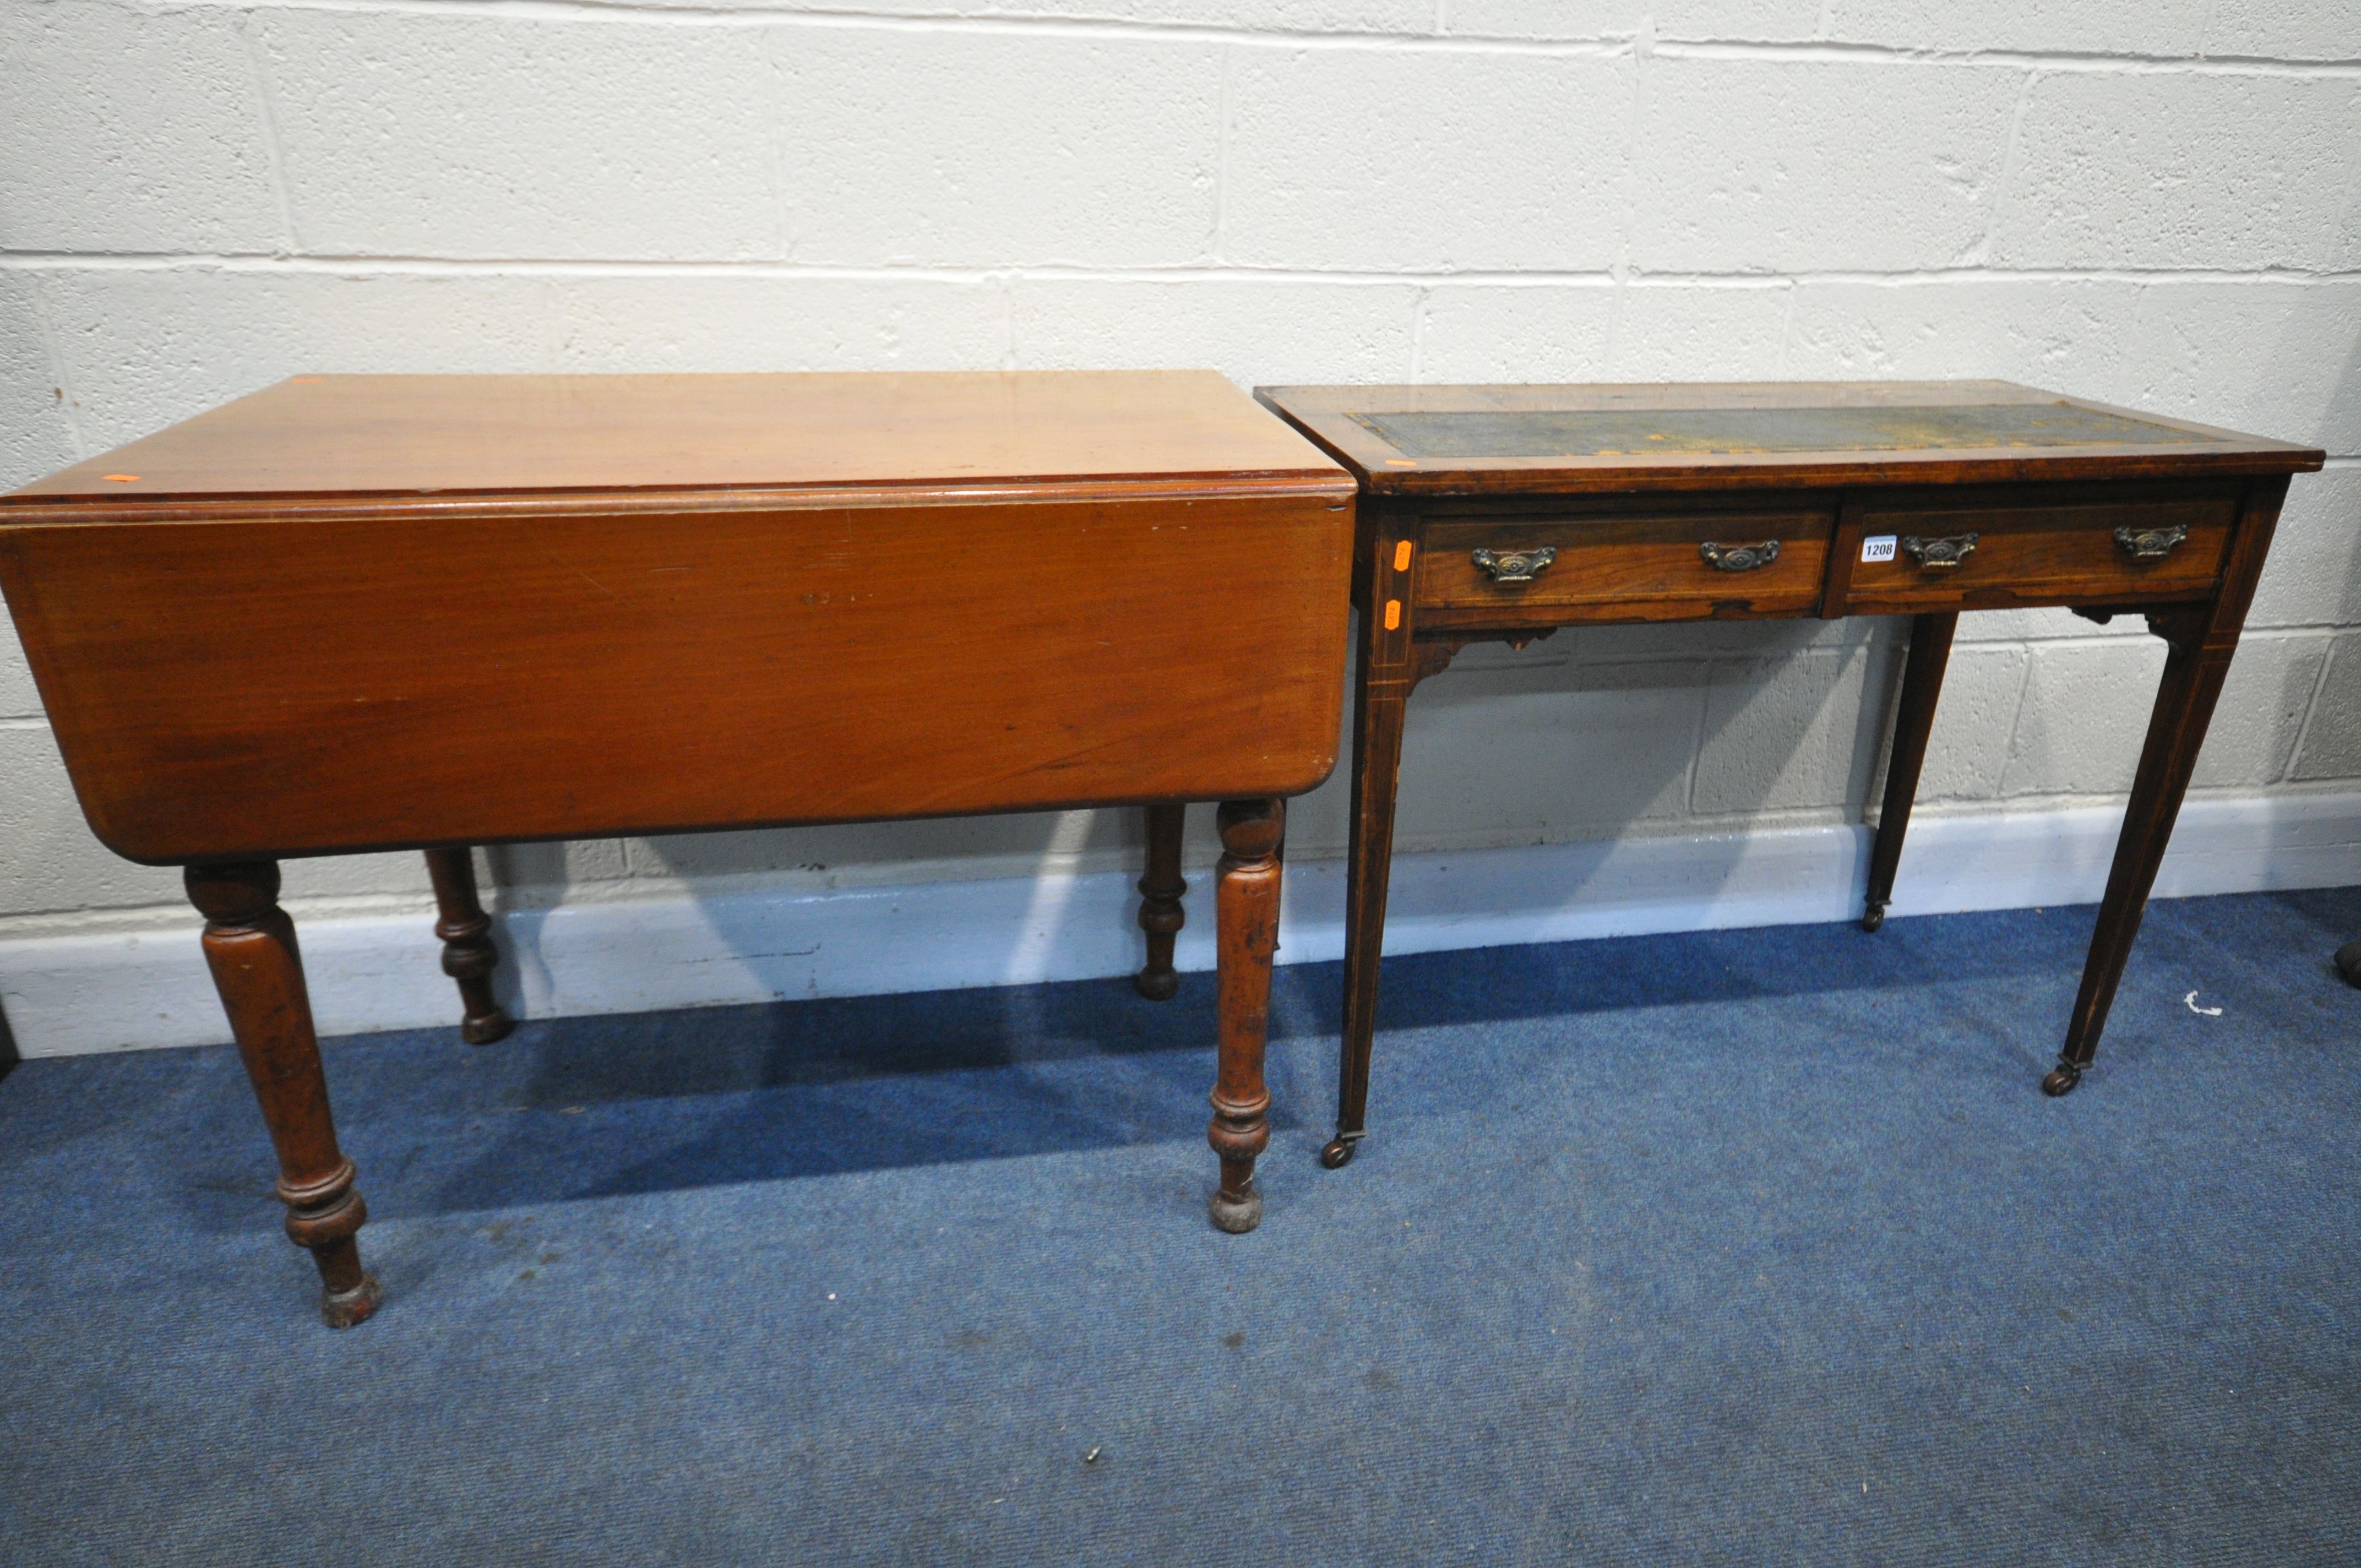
(1501, 513)
(356, 613)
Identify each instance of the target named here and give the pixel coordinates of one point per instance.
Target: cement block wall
(2154, 204)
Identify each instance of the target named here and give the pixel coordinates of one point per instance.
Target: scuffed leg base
(343, 1309)
(493, 1026)
(1235, 1216)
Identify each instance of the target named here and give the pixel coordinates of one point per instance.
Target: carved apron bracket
(1433, 655)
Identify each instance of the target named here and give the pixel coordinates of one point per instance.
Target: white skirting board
(66, 996)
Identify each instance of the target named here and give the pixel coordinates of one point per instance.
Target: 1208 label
(1878, 547)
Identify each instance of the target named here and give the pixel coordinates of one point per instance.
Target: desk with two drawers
(1501, 513)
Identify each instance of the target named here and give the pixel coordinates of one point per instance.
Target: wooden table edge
(19, 508)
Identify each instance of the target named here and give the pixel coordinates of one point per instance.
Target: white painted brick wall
(1387, 160)
(133, 131)
(2221, 173)
(1756, 165)
(2151, 202)
(460, 136)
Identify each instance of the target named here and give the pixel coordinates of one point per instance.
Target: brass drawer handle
(1939, 555)
(2151, 543)
(1513, 565)
(1738, 558)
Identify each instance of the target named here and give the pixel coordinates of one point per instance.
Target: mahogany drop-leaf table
(379, 612)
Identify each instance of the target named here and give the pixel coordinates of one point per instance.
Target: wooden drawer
(1645, 567)
(2094, 552)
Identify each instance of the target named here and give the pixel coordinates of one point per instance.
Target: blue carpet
(1734, 1247)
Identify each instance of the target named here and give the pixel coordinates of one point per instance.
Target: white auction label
(1877, 547)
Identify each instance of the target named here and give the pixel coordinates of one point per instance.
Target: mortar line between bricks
(756, 14)
(510, 266)
(2083, 62)
(654, 13)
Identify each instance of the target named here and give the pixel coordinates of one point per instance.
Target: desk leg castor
(1160, 915)
(2061, 1079)
(2349, 962)
(1337, 1153)
(1873, 917)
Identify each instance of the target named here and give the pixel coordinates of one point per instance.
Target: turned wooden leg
(1385, 676)
(1246, 910)
(250, 946)
(1922, 684)
(468, 955)
(2202, 638)
(1160, 915)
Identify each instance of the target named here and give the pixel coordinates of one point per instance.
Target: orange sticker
(122, 479)
(1393, 615)
(1402, 461)
(1401, 556)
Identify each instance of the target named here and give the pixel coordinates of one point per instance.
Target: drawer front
(1679, 566)
(1919, 558)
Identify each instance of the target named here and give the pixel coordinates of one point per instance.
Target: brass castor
(2348, 961)
(1157, 984)
(1337, 1153)
(2061, 1079)
(1873, 917)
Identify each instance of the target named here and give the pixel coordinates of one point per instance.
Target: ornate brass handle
(1738, 558)
(1939, 555)
(1513, 565)
(2151, 543)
